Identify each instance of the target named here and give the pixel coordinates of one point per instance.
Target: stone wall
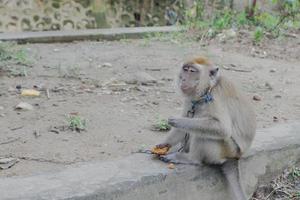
(41, 15)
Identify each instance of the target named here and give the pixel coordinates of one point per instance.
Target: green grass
(223, 20)
(76, 123)
(161, 125)
(258, 35)
(10, 51)
(14, 59)
(273, 24)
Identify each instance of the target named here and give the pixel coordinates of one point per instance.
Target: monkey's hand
(175, 122)
(163, 145)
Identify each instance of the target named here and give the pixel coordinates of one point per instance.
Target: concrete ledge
(140, 177)
(90, 34)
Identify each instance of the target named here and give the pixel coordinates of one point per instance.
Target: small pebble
(106, 65)
(171, 166)
(24, 106)
(277, 96)
(256, 98)
(268, 85)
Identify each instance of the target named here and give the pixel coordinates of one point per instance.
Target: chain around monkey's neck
(206, 97)
(206, 94)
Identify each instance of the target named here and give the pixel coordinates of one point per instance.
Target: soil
(121, 88)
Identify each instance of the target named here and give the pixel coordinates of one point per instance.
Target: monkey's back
(241, 122)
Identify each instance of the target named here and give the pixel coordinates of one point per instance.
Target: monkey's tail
(232, 173)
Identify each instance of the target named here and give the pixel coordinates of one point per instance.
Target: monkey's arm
(206, 127)
(174, 137)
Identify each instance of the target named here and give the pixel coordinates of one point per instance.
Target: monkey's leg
(175, 136)
(208, 127)
(232, 173)
(179, 158)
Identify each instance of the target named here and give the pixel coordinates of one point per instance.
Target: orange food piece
(160, 151)
(30, 92)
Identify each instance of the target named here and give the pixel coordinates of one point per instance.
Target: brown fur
(200, 60)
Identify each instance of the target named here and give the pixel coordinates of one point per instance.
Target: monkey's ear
(214, 72)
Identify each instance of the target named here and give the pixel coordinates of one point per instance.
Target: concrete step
(90, 34)
(141, 177)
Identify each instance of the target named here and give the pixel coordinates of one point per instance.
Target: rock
(36, 134)
(155, 102)
(142, 78)
(109, 65)
(128, 99)
(6, 163)
(275, 119)
(142, 88)
(171, 166)
(230, 33)
(268, 86)
(277, 96)
(256, 98)
(1, 107)
(39, 87)
(167, 79)
(258, 53)
(24, 106)
(107, 92)
(160, 83)
(11, 89)
(226, 35)
(273, 70)
(115, 85)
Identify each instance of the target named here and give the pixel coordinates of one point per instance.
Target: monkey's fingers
(164, 159)
(163, 145)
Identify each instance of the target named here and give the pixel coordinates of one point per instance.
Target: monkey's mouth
(186, 89)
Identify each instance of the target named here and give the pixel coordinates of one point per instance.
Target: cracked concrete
(141, 177)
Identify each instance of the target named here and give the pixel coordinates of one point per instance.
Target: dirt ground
(101, 81)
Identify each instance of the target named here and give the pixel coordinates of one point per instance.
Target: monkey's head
(196, 76)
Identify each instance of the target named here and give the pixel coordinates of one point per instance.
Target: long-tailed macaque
(219, 121)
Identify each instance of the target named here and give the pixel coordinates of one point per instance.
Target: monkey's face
(189, 78)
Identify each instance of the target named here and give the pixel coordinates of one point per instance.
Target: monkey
(217, 125)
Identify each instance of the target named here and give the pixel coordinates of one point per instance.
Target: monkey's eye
(185, 68)
(193, 70)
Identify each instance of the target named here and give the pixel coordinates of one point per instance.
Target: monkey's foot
(177, 158)
(165, 159)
